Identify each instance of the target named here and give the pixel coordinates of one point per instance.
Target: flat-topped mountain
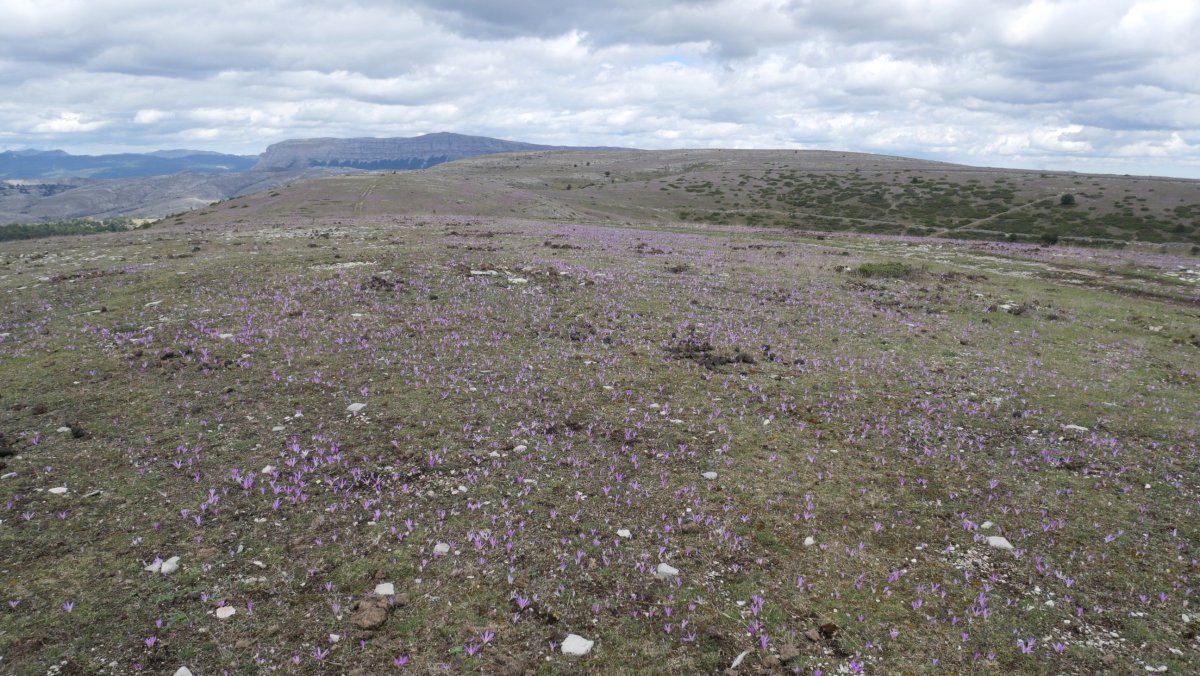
(378, 154)
(166, 182)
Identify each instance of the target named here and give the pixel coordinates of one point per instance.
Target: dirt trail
(362, 199)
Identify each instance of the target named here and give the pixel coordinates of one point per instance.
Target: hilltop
(330, 430)
(789, 189)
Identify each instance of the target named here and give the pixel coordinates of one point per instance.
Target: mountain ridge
(57, 164)
(38, 186)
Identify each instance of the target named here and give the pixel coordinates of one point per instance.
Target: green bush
(74, 226)
(888, 270)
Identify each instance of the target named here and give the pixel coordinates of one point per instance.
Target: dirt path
(362, 199)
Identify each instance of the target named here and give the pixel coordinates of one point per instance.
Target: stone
(243, 644)
(268, 469)
(169, 566)
(277, 428)
(355, 407)
(666, 571)
(711, 476)
(183, 671)
(576, 645)
(63, 430)
(810, 541)
(788, 652)
(385, 589)
(1075, 428)
(999, 542)
(58, 490)
(520, 448)
(624, 533)
(986, 525)
(225, 612)
(225, 336)
(441, 548)
(368, 615)
(737, 661)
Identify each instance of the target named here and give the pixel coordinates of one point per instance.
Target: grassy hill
(810, 190)
(441, 421)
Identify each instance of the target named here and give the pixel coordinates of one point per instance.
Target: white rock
(624, 533)
(268, 469)
(737, 661)
(441, 548)
(58, 490)
(810, 541)
(517, 280)
(355, 407)
(225, 612)
(277, 428)
(1074, 428)
(9, 475)
(64, 429)
(183, 671)
(385, 589)
(666, 571)
(169, 566)
(986, 525)
(520, 448)
(491, 273)
(225, 336)
(999, 542)
(711, 476)
(334, 638)
(154, 567)
(494, 454)
(576, 645)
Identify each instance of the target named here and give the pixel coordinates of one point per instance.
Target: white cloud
(1071, 83)
(151, 116)
(66, 123)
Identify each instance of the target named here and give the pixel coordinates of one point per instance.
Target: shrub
(888, 270)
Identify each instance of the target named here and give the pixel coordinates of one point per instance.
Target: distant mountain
(164, 182)
(56, 164)
(379, 154)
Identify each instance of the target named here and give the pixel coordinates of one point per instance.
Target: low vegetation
(285, 437)
(73, 226)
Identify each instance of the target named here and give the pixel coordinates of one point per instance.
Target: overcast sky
(1088, 85)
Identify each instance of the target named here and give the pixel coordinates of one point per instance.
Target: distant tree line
(72, 226)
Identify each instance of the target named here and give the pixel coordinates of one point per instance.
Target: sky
(1105, 86)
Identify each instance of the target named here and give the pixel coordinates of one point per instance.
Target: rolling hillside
(811, 190)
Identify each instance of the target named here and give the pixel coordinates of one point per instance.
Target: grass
(887, 270)
(523, 423)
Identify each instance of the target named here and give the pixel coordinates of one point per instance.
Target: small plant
(887, 270)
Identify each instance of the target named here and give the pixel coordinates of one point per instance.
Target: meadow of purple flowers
(445, 444)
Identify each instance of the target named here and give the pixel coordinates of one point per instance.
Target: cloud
(151, 116)
(1067, 83)
(66, 123)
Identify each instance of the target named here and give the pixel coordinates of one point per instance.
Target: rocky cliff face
(418, 152)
